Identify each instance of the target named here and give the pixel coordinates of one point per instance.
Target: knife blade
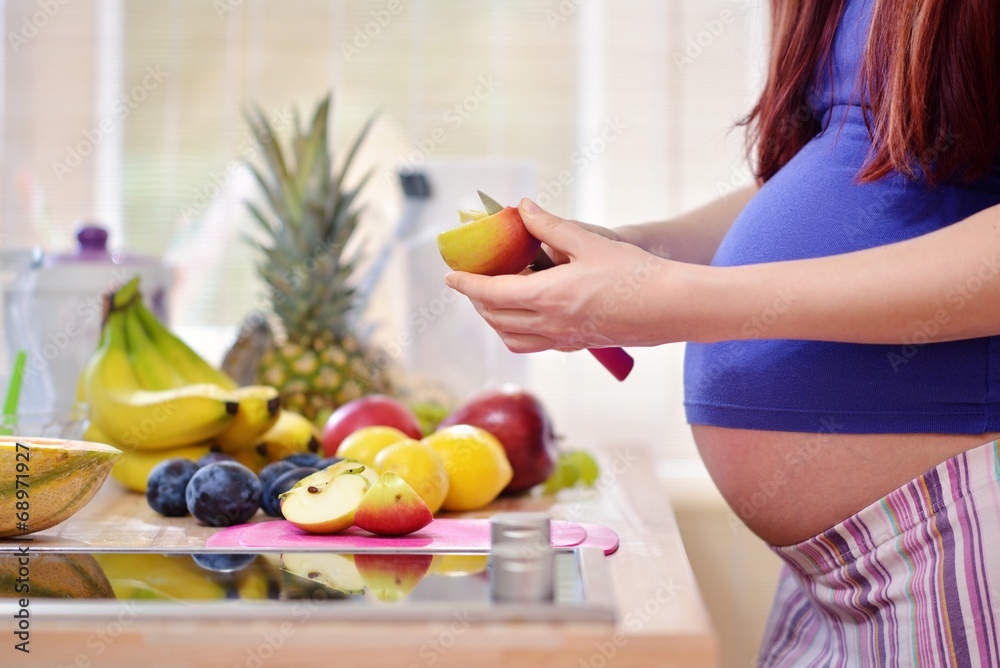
(615, 360)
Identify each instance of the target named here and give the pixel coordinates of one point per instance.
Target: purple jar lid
(92, 246)
(93, 242)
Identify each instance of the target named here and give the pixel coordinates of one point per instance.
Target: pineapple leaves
(308, 216)
(348, 160)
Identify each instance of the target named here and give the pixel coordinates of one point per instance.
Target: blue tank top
(814, 207)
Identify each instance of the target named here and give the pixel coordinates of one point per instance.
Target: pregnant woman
(844, 325)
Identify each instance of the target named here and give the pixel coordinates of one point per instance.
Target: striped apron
(911, 580)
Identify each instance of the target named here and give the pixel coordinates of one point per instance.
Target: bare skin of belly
(788, 487)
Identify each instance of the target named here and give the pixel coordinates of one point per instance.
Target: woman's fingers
(486, 290)
(564, 237)
(526, 343)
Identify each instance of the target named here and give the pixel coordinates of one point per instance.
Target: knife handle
(615, 360)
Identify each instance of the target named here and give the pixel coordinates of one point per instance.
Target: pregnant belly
(789, 486)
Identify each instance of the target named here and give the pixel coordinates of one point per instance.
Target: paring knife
(615, 360)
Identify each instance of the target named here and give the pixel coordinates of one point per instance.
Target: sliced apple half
(346, 466)
(391, 507)
(324, 505)
(391, 577)
(336, 571)
(490, 245)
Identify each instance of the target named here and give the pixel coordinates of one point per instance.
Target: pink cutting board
(441, 535)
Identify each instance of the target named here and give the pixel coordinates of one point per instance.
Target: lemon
(475, 462)
(364, 444)
(420, 466)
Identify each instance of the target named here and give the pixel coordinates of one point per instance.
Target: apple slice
(491, 245)
(391, 577)
(321, 477)
(336, 571)
(324, 506)
(391, 507)
(469, 215)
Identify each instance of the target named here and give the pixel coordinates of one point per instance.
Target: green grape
(429, 414)
(587, 469)
(565, 475)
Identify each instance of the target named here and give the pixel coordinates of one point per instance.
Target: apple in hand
(390, 507)
(391, 577)
(489, 244)
(336, 571)
(325, 504)
(374, 410)
(519, 421)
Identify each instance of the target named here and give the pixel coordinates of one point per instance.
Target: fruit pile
(378, 477)
(154, 398)
(383, 433)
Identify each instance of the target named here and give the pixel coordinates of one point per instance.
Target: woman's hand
(604, 292)
(558, 257)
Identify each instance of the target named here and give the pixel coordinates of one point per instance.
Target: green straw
(13, 394)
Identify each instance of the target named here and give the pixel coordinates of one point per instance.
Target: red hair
(931, 72)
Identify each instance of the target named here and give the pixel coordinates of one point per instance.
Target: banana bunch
(153, 397)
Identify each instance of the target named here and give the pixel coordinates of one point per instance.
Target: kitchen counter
(661, 620)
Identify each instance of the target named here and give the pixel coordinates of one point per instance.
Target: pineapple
(316, 359)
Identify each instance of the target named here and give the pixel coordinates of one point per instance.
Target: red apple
(519, 421)
(375, 410)
(490, 245)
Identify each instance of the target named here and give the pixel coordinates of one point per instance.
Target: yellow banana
(258, 412)
(191, 367)
(95, 435)
(133, 467)
(149, 419)
(159, 576)
(250, 458)
(292, 433)
(152, 368)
